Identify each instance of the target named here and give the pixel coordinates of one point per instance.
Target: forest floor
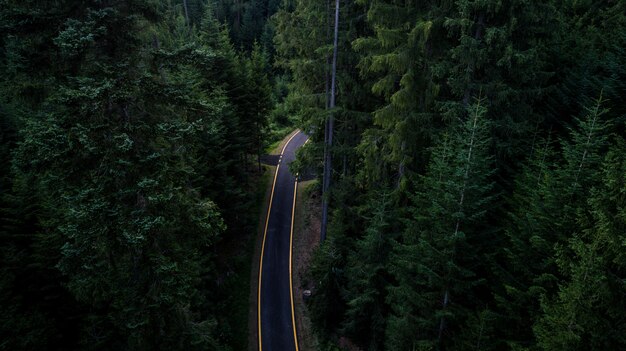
(306, 237)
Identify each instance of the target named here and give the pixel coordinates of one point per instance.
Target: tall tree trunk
(326, 91)
(327, 79)
(237, 23)
(186, 12)
(329, 139)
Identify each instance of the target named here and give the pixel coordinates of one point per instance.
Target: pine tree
(500, 50)
(25, 321)
(586, 313)
(546, 204)
(533, 206)
(432, 263)
(367, 267)
(122, 220)
(128, 126)
(585, 59)
(305, 46)
(261, 99)
(396, 56)
(302, 44)
(37, 310)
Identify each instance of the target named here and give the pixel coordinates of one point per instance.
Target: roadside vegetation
(475, 154)
(468, 161)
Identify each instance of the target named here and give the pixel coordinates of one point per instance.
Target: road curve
(275, 314)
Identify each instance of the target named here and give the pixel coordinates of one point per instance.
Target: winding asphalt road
(276, 320)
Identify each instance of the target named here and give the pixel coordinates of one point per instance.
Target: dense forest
(471, 154)
(478, 183)
(130, 131)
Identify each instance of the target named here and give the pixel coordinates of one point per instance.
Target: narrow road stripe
(267, 219)
(293, 215)
(287, 143)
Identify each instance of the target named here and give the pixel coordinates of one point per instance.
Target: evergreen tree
(434, 262)
(117, 145)
(260, 99)
(546, 203)
(500, 51)
(585, 315)
(131, 133)
(396, 56)
(367, 267)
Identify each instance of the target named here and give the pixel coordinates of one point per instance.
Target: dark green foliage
(487, 260)
(585, 315)
(477, 197)
(248, 20)
(367, 269)
(434, 261)
(127, 127)
(546, 204)
(114, 182)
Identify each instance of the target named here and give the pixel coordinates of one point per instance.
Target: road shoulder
(305, 241)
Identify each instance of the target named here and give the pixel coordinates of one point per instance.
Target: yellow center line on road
(267, 219)
(293, 215)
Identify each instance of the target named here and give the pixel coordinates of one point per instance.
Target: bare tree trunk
(186, 12)
(328, 58)
(327, 83)
(238, 18)
(327, 101)
(326, 90)
(329, 140)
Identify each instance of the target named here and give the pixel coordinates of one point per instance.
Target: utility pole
(329, 130)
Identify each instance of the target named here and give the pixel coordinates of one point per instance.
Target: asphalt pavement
(275, 306)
